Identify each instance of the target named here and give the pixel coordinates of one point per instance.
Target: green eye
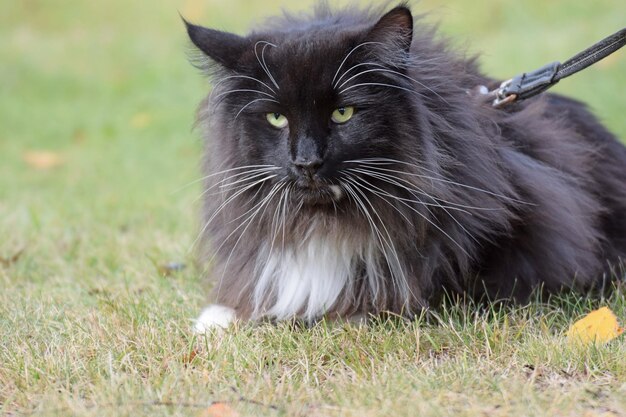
(276, 120)
(342, 114)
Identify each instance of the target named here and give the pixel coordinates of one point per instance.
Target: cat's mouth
(319, 194)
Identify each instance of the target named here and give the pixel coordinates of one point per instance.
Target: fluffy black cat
(349, 171)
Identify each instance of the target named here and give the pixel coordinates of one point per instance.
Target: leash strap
(532, 83)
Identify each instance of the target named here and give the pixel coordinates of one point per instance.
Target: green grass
(89, 326)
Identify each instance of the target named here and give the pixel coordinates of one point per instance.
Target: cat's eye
(277, 120)
(342, 114)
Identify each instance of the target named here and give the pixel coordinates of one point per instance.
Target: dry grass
(90, 326)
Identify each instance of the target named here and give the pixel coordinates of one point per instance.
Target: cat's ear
(394, 28)
(222, 47)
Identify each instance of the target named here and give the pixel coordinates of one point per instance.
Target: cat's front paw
(214, 317)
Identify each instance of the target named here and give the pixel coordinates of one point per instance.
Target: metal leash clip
(501, 98)
(498, 97)
(532, 83)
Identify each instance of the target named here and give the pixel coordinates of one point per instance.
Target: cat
(350, 171)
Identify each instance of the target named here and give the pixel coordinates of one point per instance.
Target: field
(97, 151)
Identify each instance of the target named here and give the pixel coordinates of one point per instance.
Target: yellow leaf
(219, 410)
(42, 160)
(141, 120)
(599, 326)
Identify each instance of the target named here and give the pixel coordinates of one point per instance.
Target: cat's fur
(427, 189)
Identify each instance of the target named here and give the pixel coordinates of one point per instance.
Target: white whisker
(434, 224)
(225, 203)
(244, 90)
(380, 193)
(398, 276)
(374, 231)
(252, 102)
(350, 53)
(373, 64)
(391, 179)
(386, 70)
(444, 180)
(227, 187)
(380, 85)
(262, 205)
(223, 172)
(222, 80)
(414, 189)
(262, 62)
(225, 184)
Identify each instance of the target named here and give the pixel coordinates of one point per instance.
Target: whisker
(226, 190)
(226, 187)
(240, 180)
(254, 211)
(252, 102)
(381, 85)
(391, 179)
(244, 77)
(252, 198)
(262, 62)
(394, 180)
(374, 64)
(348, 56)
(444, 208)
(351, 195)
(444, 180)
(262, 205)
(223, 172)
(387, 70)
(349, 187)
(382, 194)
(275, 226)
(284, 214)
(244, 90)
(224, 204)
(396, 277)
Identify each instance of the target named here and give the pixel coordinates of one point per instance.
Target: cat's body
(351, 171)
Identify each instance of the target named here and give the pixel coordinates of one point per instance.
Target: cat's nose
(308, 166)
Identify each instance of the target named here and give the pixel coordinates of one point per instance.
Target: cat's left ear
(222, 47)
(394, 29)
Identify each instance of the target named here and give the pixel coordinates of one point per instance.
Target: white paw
(213, 317)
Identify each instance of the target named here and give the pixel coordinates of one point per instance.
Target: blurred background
(97, 103)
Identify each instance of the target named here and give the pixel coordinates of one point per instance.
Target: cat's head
(310, 99)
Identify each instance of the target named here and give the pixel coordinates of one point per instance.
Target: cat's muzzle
(318, 192)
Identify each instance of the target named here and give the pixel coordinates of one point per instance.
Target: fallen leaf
(218, 410)
(42, 160)
(190, 357)
(6, 262)
(79, 136)
(599, 326)
(141, 120)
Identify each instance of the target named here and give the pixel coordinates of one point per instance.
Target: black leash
(532, 83)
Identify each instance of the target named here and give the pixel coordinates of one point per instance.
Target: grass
(90, 326)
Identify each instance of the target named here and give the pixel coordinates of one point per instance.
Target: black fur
(509, 199)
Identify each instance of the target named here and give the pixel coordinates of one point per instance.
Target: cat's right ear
(222, 47)
(394, 29)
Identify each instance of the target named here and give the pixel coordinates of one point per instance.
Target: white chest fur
(304, 281)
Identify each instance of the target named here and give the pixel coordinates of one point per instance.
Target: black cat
(348, 171)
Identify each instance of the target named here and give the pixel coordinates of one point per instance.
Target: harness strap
(532, 83)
